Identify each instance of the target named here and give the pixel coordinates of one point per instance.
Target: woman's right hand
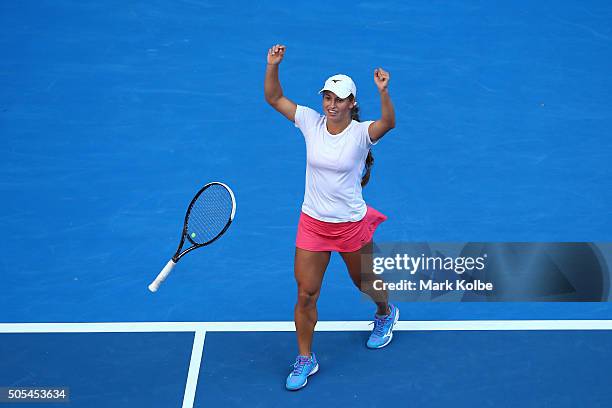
(276, 54)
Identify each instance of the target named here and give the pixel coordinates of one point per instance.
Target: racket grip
(162, 276)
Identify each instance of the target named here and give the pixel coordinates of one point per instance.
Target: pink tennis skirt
(315, 235)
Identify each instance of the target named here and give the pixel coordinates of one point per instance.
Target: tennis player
(334, 215)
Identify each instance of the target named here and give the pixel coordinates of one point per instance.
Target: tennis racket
(209, 215)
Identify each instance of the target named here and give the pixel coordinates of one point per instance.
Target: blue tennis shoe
(302, 369)
(383, 329)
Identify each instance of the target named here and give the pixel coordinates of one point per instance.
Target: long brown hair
(369, 161)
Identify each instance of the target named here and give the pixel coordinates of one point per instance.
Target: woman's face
(336, 109)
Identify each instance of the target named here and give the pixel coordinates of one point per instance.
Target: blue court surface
(113, 114)
(451, 363)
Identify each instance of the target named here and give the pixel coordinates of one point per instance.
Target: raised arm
(272, 87)
(387, 119)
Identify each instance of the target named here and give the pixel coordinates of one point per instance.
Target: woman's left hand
(381, 79)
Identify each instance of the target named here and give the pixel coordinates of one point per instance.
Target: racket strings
(209, 214)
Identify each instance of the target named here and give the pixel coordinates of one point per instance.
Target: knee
(357, 281)
(307, 299)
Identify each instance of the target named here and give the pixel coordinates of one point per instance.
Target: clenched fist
(276, 54)
(381, 79)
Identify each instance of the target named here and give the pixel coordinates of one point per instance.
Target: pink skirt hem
(315, 235)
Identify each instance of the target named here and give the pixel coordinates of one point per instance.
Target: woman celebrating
(334, 215)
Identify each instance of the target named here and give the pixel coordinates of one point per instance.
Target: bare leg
(309, 270)
(359, 265)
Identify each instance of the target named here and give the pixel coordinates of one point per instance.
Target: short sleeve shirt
(334, 167)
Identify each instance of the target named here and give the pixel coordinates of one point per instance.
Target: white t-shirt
(334, 167)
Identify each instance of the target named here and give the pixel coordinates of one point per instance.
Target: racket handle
(162, 276)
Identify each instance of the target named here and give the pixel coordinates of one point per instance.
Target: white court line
(194, 369)
(200, 329)
(287, 326)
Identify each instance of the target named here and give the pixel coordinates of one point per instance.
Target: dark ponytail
(369, 161)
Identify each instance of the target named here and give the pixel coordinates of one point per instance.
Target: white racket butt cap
(154, 286)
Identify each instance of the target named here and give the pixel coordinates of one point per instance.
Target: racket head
(209, 214)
